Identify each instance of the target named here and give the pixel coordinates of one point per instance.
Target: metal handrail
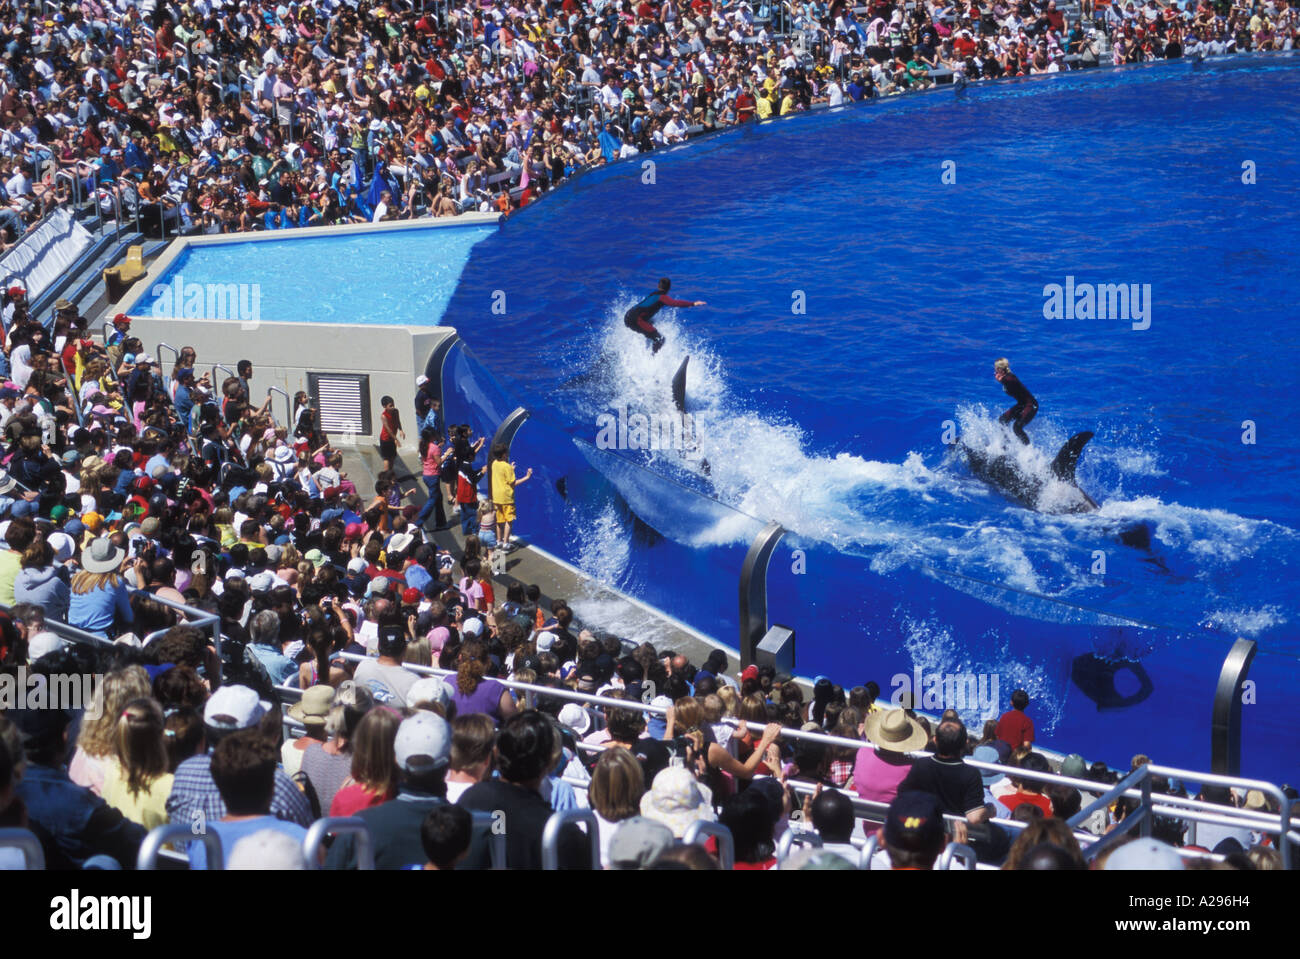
(166, 377)
(117, 211)
(789, 839)
(25, 840)
(76, 185)
(496, 840)
(354, 825)
(701, 829)
(551, 836)
(868, 851)
(1245, 818)
(957, 850)
(288, 404)
(135, 189)
(217, 366)
(147, 858)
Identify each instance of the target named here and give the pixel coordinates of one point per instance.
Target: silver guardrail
(353, 825)
(959, 851)
(1190, 810)
(153, 843)
(701, 830)
(551, 836)
(496, 838)
(789, 839)
(25, 841)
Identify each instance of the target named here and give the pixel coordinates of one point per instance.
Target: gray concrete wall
(284, 353)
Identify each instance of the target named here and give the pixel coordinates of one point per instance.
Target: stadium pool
(918, 237)
(398, 276)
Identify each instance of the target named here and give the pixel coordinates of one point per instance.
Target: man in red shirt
(1014, 727)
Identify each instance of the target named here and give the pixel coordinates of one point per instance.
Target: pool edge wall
(284, 353)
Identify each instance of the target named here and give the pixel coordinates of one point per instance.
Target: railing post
(869, 850)
(496, 838)
(33, 853)
(1225, 722)
(351, 824)
(509, 427)
(435, 370)
(789, 839)
(700, 830)
(551, 836)
(956, 850)
(147, 858)
(753, 591)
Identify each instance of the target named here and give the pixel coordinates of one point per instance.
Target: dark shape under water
(1095, 677)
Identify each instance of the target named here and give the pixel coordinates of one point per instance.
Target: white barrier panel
(46, 253)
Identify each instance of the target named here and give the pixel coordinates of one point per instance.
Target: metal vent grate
(342, 402)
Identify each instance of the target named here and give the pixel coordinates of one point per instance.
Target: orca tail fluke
(679, 386)
(1068, 458)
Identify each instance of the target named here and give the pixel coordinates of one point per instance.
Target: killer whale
(1004, 473)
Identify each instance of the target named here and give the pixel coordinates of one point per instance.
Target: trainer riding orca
(1004, 472)
(639, 317)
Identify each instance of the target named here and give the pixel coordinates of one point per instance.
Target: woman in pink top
(431, 457)
(878, 772)
(374, 764)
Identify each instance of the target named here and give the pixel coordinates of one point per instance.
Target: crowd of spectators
(141, 509)
(126, 495)
(218, 116)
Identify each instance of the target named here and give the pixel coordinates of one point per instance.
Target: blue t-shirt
(231, 832)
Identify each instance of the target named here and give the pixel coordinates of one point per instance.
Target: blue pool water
(836, 421)
(403, 276)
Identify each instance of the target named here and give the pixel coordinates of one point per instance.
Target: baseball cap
(472, 627)
(357, 565)
(423, 743)
(234, 707)
(316, 558)
(638, 842)
(987, 754)
(914, 822)
(1145, 854)
(430, 689)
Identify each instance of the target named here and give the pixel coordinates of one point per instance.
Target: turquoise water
(395, 277)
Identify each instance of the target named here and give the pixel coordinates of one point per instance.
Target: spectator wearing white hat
(195, 795)
(243, 766)
(423, 752)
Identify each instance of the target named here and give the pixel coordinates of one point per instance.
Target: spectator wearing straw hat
(311, 710)
(878, 771)
(100, 601)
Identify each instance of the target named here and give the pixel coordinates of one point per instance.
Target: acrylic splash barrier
(1102, 684)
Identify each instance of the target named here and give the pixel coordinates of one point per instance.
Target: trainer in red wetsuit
(1026, 407)
(638, 318)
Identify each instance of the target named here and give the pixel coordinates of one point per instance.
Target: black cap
(914, 822)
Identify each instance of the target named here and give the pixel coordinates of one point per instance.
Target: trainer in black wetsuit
(638, 318)
(1026, 406)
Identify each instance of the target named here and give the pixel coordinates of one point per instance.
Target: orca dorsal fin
(679, 386)
(1068, 458)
